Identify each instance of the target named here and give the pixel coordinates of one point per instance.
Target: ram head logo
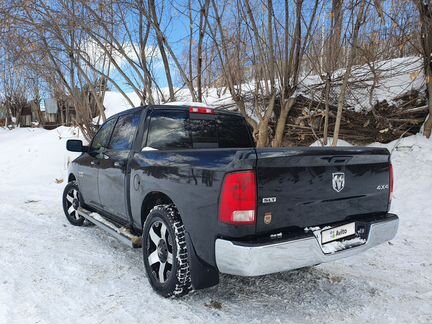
(338, 181)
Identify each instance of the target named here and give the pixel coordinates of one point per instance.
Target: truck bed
(304, 187)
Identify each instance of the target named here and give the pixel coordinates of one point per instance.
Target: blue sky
(177, 33)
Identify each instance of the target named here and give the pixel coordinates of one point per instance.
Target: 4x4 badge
(338, 181)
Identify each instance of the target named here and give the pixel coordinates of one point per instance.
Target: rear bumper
(254, 260)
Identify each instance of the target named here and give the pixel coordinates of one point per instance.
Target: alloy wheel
(160, 251)
(72, 201)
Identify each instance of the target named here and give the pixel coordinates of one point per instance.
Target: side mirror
(75, 146)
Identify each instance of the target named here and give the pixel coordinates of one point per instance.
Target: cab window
(168, 130)
(124, 132)
(102, 137)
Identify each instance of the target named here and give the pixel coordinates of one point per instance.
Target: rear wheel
(165, 252)
(71, 203)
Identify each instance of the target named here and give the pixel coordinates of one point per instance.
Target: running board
(121, 233)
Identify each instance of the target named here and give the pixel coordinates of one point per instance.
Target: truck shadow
(323, 293)
(296, 295)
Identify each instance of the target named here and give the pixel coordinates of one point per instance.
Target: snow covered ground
(52, 272)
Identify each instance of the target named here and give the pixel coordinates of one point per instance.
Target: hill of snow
(392, 78)
(114, 102)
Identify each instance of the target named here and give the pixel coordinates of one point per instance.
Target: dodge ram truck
(188, 186)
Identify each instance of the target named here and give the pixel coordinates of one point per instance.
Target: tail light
(238, 199)
(391, 183)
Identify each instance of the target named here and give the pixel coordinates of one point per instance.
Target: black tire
(164, 247)
(71, 202)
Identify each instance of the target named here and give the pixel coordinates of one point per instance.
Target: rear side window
(103, 135)
(224, 131)
(124, 132)
(204, 132)
(233, 132)
(168, 130)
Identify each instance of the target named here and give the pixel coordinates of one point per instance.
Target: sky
(177, 31)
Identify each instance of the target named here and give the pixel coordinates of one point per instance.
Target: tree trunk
(281, 122)
(425, 15)
(335, 35)
(191, 40)
(60, 110)
(202, 30)
(263, 134)
(161, 42)
(327, 108)
(428, 124)
(344, 86)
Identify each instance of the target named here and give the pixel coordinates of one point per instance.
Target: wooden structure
(26, 116)
(384, 123)
(58, 112)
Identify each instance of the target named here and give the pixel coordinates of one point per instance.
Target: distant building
(26, 116)
(56, 113)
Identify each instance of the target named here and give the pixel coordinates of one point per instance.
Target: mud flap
(202, 274)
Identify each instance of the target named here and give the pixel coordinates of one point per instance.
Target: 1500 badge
(268, 200)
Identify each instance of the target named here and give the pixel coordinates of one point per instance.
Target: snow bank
(36, 156)
(114, 102)
(340, 142)
(393, 78)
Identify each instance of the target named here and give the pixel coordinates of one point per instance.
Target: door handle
(94, 163)
(119, 164)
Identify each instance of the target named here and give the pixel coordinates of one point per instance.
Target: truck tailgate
(303, 187)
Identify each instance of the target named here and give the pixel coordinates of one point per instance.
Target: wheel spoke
(170, 258)
(169, 241)
(70, 210)
(69, 198)
(162, 272)
(163, 231)
(153, 258)
(75, 194)
(154, 237)
(77, 216)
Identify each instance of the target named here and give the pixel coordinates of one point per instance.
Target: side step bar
(121, 233)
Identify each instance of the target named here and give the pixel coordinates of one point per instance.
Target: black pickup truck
(188, 185)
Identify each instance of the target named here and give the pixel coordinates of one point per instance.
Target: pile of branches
(384, 123)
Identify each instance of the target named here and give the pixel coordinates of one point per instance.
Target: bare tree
(425, 14)
(259, 52)
(333, 57)
(359, 21)
(253, 41)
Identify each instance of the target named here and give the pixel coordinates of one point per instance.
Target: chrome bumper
(255, 260)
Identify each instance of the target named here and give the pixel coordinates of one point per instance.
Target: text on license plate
(336, 233)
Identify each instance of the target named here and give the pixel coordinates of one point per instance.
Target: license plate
(337, 233)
